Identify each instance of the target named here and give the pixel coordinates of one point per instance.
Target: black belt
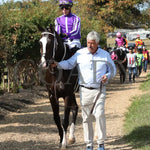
(90, 88)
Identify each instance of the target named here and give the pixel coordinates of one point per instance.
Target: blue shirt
(91, 67)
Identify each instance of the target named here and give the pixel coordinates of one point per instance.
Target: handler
(95, 67)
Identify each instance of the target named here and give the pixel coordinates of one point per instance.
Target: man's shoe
(89, 148)
(101, 147)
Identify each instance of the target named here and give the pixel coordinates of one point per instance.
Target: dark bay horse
(59, 83)
(118, 55)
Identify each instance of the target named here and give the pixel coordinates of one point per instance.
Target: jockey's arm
(76, 28)
(124, 42)
(116, 44)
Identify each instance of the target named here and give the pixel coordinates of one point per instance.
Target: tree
(117, 13)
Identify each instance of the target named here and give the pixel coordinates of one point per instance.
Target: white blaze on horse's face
(43, 40)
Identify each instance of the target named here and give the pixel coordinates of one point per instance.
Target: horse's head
(48, 45)
(121, 53)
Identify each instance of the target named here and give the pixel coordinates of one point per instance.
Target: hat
(130, 48)
(65, 2)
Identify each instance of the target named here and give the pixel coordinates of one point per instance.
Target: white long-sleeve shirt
(91, 67)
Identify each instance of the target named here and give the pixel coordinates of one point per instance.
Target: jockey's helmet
(65, 2)
(119, 34)
(138, 36)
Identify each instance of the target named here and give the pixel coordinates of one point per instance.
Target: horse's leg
(74, 109)
(124, 76)
(124, 71)
(120, 72)
(65, 121)
(55, 108)
(121, 78)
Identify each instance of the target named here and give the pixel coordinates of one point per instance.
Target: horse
(59, 83)
(118, 55)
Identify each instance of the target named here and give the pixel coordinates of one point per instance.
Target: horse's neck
(63, 52)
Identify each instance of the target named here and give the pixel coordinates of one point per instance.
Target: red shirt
(145, 54)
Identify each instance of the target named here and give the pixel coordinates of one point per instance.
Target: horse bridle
(55, 46)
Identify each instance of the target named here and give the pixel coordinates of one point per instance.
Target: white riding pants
(87, 97)
(73, 43)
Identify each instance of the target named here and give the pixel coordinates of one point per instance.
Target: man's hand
(53, 64)
(104, 78)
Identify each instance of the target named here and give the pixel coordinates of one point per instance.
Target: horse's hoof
(71, 141)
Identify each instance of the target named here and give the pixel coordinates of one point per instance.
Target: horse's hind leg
(74, 109)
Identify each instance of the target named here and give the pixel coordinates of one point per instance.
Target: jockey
(138, 41)
(119, 41)
(68, 26)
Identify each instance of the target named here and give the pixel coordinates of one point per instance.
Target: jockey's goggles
(64, 7)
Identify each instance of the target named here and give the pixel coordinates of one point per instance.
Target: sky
(1, 1)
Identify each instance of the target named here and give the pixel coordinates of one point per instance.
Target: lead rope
(101, 85)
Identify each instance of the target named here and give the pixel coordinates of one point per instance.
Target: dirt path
(33, 128)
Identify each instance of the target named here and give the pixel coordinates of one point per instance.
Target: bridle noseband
(55, 43)
(55, 46)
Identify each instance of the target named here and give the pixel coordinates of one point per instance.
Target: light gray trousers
(87, 98)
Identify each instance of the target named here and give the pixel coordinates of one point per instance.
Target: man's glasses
(65, 7)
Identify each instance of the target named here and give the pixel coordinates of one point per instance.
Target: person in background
(138, 42)
(131, 63)
(140, 59)
(125, 39)
(68, 26)
(119, 41)
(146, 58)
(95, 68)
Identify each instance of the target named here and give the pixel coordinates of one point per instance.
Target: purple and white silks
(70, 25)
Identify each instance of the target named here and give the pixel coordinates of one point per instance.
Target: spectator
(138, 42)
(131, 63)
(146, 58)
(140, 59)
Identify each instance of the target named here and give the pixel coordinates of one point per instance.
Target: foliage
(117, 13)
(19, 28)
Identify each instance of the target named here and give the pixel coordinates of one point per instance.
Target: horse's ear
(40, 28)
(51, 27)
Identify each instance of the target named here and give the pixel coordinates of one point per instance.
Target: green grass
(137, 122)
(146, 85)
